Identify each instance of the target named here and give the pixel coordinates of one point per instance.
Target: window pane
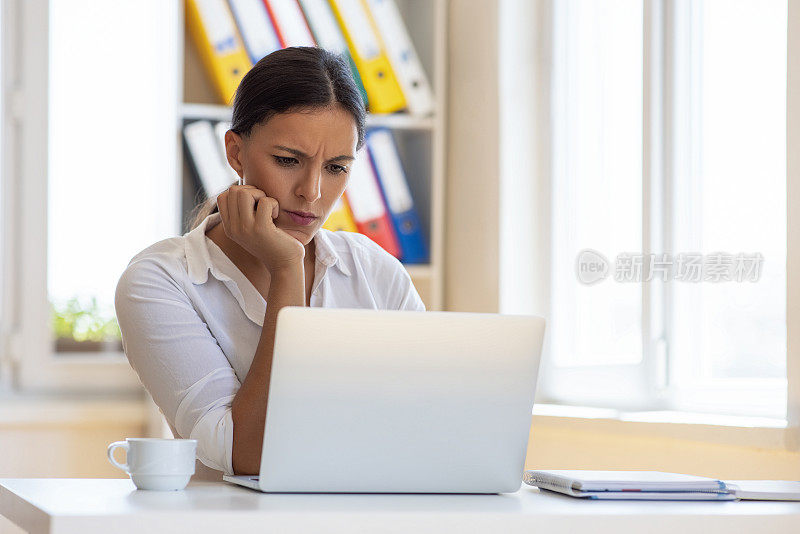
(733, 200)
(597, 177)
(110, 191)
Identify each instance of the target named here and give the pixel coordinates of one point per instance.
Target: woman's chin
(300, 235)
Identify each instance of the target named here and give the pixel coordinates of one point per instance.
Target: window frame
(30, 361)
(793, 224)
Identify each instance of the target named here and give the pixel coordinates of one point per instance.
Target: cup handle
(124, 445)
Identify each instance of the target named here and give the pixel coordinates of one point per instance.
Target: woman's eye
(337, 169)
(285, 161)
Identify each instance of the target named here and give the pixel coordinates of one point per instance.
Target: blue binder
(397, 195)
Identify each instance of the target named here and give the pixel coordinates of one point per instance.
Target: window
(97, 178)
(106, 163)
(669, 149)
(730, 195)
(597, 183)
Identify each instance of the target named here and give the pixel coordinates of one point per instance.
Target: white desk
(71, 505)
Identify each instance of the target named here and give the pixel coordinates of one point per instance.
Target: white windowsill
(759, 432)
(32, 410)
(37, 410)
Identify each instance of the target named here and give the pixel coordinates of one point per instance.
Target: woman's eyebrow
(304, 155)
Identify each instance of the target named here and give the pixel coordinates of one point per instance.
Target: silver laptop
(384, 401)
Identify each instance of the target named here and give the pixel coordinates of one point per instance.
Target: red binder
(289, 23)
(366, 202)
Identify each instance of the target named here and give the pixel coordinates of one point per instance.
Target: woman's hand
(247, 215)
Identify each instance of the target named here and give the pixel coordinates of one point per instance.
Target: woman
(202, 345)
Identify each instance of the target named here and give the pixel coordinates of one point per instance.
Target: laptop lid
(392, 401)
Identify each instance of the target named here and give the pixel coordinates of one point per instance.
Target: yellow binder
(369, 54)
(341, 218)
(214, 32)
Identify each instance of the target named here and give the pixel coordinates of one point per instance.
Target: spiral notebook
(658, 485)
(640, 485)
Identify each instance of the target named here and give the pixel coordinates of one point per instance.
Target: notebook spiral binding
(543, 481)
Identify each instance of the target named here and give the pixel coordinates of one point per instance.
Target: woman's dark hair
(290, 79)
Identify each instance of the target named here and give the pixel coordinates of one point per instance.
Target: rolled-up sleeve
(178, 360)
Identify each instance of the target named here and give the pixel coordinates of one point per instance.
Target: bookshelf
(420, 140)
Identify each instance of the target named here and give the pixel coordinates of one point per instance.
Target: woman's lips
(301, 220)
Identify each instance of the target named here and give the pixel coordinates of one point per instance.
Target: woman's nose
(309, 188)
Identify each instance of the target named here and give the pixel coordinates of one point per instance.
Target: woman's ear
(234, 151)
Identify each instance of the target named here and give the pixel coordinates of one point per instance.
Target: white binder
(403, 56)
(204, 150)
(363, 191)
(291, 23)
(323, 23)
(390, 170)
(220, 128)
(256, 28)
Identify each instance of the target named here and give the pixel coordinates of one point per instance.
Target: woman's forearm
(287, 288)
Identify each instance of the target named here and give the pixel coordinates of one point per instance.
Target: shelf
(420, 140)
(397, 121)
(205, 111)
(400, 121)
(419, 271)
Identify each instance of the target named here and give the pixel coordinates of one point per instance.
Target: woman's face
(301, 159)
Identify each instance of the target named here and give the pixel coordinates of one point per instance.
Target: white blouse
(191, 337)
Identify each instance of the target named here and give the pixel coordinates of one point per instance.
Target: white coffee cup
(157, 463)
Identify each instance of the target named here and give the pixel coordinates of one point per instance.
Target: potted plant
(79, 329)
